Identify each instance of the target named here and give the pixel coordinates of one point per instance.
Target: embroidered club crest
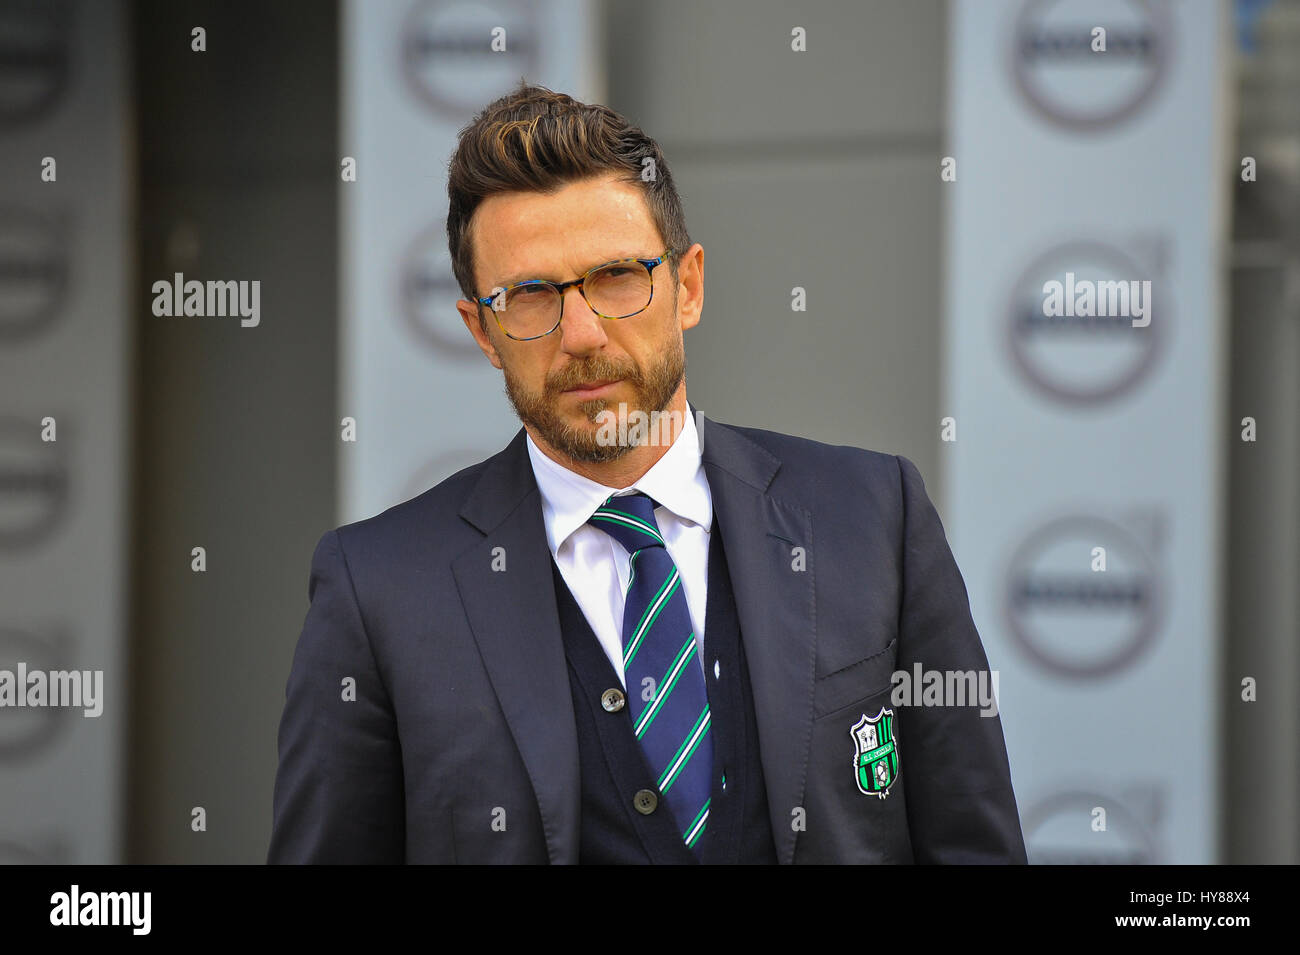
(875, 764)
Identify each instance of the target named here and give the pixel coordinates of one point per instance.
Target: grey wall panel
(724, 72)
(65, 354)
(237, 433)
(860, 365)
(815, 169)
(1263, 640)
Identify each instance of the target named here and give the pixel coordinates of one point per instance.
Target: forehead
(556, 236)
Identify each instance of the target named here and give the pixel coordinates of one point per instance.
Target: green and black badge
(876, 761)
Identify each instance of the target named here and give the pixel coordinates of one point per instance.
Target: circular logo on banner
(33, 484)
(429, 294)
(459, 56)
(1076, 342)
(1068, 82)
(35, 62)
(1073, 621)
(33, 272)
(1059, 830)
(25, 730)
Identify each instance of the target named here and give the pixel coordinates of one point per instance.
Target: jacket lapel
(514, 618)
(775, 604)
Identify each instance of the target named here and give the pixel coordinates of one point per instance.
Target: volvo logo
(1063, 829)
(34, 58)
(30, 729)
(1086, 359)
(429, 294)
(453, 55)
(33, 271)
(1071, 85)
(1071, 620)
(33, 483)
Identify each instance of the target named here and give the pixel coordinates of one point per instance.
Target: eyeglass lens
(615, 291)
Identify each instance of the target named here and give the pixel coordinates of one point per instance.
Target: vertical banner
(418, 401)
(1085, 376)
(65, 258)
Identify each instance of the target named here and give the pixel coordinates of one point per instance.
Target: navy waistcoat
(613, 768)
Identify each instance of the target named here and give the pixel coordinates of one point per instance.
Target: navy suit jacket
(428, 715)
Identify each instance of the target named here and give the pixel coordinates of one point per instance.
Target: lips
(592, 388)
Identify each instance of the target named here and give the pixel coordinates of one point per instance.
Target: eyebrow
(524, 277)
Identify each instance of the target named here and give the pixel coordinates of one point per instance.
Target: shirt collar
(675, 481)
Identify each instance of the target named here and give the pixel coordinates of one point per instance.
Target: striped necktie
(666, 696)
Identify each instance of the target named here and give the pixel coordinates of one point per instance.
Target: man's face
(559, 237)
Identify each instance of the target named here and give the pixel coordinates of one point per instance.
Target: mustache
(576, 374)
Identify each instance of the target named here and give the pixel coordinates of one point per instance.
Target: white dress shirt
(595, 565)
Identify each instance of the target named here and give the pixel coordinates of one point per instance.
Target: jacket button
(645, 801)
(612, 700)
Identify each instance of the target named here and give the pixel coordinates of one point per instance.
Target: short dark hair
(536, 140)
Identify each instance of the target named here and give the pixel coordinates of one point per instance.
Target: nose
(581, 329)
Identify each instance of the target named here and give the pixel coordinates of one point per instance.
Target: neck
(626, 470)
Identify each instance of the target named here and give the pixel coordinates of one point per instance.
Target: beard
(652, 389)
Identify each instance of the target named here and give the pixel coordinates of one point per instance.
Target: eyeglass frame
(580, 281)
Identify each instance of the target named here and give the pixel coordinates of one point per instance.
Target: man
(614, 642)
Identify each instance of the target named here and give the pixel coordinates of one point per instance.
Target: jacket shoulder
(805, 457)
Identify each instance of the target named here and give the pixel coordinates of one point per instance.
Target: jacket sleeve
(338, 790)
(960, 804)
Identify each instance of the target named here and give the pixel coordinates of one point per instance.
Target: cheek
(526, 368)
(648, 337)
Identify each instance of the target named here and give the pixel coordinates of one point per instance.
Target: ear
(469, 314)
(690, 286)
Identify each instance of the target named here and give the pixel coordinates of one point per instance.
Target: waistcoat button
(645, 801)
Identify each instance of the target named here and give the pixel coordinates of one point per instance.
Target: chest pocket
(869, 677)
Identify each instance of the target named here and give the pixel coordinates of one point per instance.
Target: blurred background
(881, 189)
